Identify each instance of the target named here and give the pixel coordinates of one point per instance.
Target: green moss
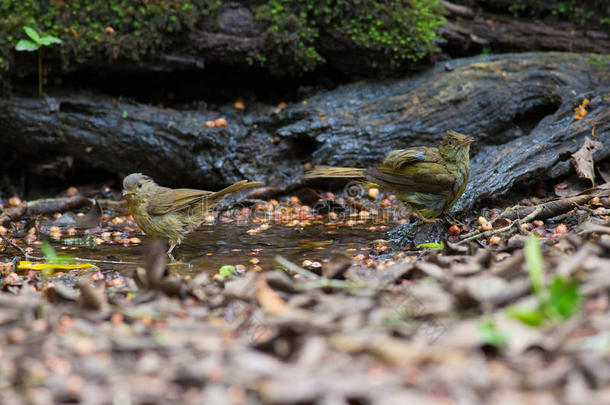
(140, 27)
(576, 11)
(599, 60)
(400, 31)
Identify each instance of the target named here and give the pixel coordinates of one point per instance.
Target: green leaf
(227, 271)
(431, 245)
(32, 33)
(491, 335)
(565, 297)
(26, 45)
(533, 258)
(527, 316)
(52, 257)
(48, 252)
(125, 114)
(49, 40)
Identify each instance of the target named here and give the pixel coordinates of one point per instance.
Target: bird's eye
(450, 142)
(139, 185)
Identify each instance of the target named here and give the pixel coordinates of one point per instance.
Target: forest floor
(511, 307)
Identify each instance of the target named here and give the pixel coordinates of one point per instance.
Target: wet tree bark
(519, 109)
(469, 33)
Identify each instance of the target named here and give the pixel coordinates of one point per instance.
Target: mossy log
(283, 38)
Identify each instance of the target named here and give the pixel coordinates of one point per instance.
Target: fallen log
(519, 108)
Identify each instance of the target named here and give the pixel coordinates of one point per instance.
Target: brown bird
(431, 180)
(162, 212)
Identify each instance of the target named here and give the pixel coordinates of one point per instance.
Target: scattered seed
(494, 240)
(239, 105)
(373, 192)
(486, 226)
(118, 221)
(14, 201)
(481, 220)
(454, 230)
(561, 229)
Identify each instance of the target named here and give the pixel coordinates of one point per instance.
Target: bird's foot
(430, 220)
(451, 220)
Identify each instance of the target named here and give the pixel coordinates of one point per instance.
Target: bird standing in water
(162, 212)
(431, 180)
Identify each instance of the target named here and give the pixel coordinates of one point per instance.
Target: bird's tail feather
(213, 198)
(329, 171)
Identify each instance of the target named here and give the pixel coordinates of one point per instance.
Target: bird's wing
(175, 200)
(422, 177)
(398, 159)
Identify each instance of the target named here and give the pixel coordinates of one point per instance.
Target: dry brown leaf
(337, 265)
(269, 300)
(580, 111)
(583, 159)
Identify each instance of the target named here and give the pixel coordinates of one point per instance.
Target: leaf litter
(468, 319)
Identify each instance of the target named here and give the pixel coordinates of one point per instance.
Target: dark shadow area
(529, 119)
(214, 85)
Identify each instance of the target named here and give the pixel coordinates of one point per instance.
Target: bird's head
(137, 185)
(455, 147)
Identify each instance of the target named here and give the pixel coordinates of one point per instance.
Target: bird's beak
(126, 192)
(468, 141)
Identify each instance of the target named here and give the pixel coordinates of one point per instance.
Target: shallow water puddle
(213, 246)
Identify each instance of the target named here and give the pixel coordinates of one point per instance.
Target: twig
(560, 206)
(323, 282)
(13, 244)
(80, 259)
(485, 234)
(297, 269)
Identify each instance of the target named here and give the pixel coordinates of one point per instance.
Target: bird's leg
(169, 252)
